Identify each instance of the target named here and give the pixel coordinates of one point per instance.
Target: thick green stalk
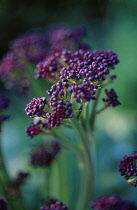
(60, 178)
(63, 186)
(85, 116)
(46, 188)
(74, 148)
(66, 143)
(86, 191)
(93, 112)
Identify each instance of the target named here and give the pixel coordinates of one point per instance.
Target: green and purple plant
(78, 78)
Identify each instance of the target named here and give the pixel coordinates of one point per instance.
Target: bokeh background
(110, 24)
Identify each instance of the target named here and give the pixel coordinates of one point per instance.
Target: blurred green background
(111, 24)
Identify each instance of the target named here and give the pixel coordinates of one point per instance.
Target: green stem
(93, 112)
(87, 172)
(64, 187)
(47, 183)
(3, 171)
(66, 143)
(61, 186)
(102, 109)
(85, 116)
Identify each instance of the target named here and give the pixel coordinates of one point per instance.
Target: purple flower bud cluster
(112, 203)
(9, 66)
(80, 70)
(128, 168)
(62, 37)
(13, 188)
(21, 176)
(3, 204)
(34, 46)
(19, 180)
(56, 91)
(84, 92)
(111, 99)
(108, 57)
(84, 64)
(54, 119)
(80, 73)
(59, 110)
(60, 106)
(45, 154)
(41, 158)
(36, 107)
(12, 73)
(12, 66)
(57, 205)
(48, 68)
(49, 202)
(4, 103)
(51, 66)
(71, 64)
(31, 46)
(35, 128)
